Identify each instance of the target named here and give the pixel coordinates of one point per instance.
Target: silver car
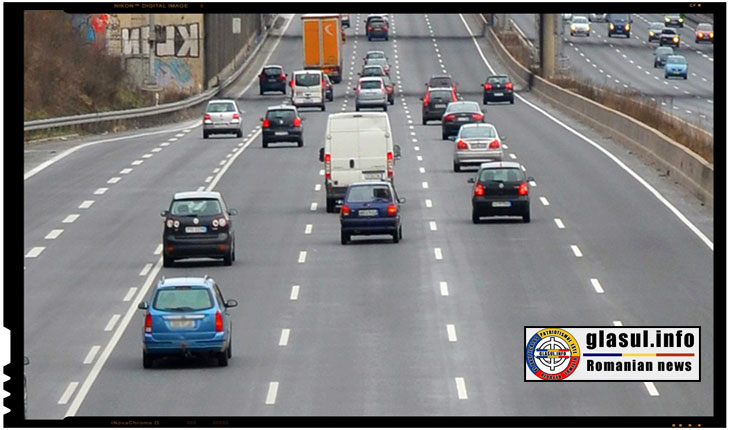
(371, 92)
(379, 62)
(580, 25)
(597, 17)
(475, 144)
(222, 116)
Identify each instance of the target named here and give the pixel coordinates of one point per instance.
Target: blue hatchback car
(187, 316)
(370, 208)
(676, 66)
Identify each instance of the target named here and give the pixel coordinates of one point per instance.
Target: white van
(308, 89)
(358, 147)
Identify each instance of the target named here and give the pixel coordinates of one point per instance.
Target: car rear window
(307, 79)
(441, 94)
(439, 82)
(221, 107)
(704, 27)
(676, 59)
(370, 85)
(377, 22)
(656, 26)
(372, 71)
(669, 31)
(463, 107)
(273, 71)
(503, 174)
(368, 194)
(472, 132)
(285, 114)
(371, 55)
(377, 61)
(198, 207)
(497, 79)
(184, 299)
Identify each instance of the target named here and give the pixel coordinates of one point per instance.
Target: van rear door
(372, 147)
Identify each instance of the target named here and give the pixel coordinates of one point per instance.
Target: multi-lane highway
(628, 64)
(430, 326)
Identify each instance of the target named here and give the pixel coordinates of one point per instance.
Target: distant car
(704, 33)
(345, 20)
(566, 16)
(372, 70)
(498, 88)
(655, 29)
(597, 17)
(476, 144)
(370, 208)
(501, 188)
(379, 62)
(282, 124)
(676, 66)
(187, 316)
(441, 81)
(371, 92)
(272, 78)
(458, 114)
(580, 25)
(26, 362)
(308, 89)
(674, 20)
(669, 36)
(660, 55)
(374, 54)
(376, 28)
(222, 116)
(435, 101)
(390, 88)
(619, 23)
(329, 91)
(198, 224)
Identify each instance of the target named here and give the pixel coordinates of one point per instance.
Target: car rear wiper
(180, 308)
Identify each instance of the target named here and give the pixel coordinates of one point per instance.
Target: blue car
(676, 65)
(187, 316)
(370, 208)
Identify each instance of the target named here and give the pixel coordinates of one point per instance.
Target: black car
(669, 36)
(498, 88)
(655, 29)
(441, 81)
(435, 102)
(661, 54)
(501, 188)
(198, 224)
(282, 124)
(458, 114)
(377, 28)
(619, 23)
(674, 20)
(272, 78)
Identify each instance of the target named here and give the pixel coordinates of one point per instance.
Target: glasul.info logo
(552, 354)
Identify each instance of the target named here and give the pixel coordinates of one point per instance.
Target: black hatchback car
(377, 28)
(458, 114)
(501, 188)
(499, 88)
(282, 124)
(435, 102)
(272, 78)
(198, 224)
(661, 54)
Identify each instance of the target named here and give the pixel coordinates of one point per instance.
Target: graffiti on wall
(95, 27)
(174, 72)
(170, 40)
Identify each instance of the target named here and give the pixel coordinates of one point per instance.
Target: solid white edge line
(444, 288)
(284, 339)
(266, 60)
(461, 388)
(67, 394)
(130, 294)
(227, 163)
(451, 332)
(621, 164)
(597, 286)
(92, 353)
(294, 292)
(112, 322)
(158, 250)
(271, 395)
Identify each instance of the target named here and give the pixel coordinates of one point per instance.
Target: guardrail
(49, 123)
(683, 165)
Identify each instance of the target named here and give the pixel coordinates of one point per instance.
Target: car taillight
(385, 27)
(148, 323)
(479, 190)
(523, 189)
(282, 77)
(453, 97)
(370, 28)
(449, 117)
(494, 144)
(487, 87)
(461, 145)
(390, 89)
(218, 321)
(262, 77)
(699, 34)
(322, 82)
(477, 116)
(508, 85)
(344, 210)
(206, 117)
(425, 99)
(291, 83)
(328, 166)
(390, 164)
(297, 122)
(266, 124)
(392, 209)
(236, 116)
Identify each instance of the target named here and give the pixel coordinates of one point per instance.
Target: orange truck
(322, 37)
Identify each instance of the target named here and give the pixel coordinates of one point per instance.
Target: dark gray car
(435, 102)
(661, 54)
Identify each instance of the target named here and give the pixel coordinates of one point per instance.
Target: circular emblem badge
(501, 185)
(195, 220)
(552, 354)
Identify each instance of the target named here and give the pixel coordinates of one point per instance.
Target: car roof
(440, 89)
(281, 107)
(307, 71)
(704, 24)
(197, 195)
(464, 102)
(222, 101)
(361, 183)
(184, 281)
(375, 51)
(498, 76)
(440, 76)
(373, 65)
(579, 17)
(273, 65)
(371, 78)
(478, 124)
(500, 164)
(668, 30)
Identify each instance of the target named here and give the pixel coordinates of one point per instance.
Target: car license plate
(182, 324)
(281, 133)
(372, 176)
(367, 212)
(463, 118)
(439, 106)
(501, 204)
(272, 79)
(498, 94)
(195, 229)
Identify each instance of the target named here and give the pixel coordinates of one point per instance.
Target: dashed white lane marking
(451, 332)
(186, 131)
(172, 139)
(651, 388)
(100, 191)
(437, 253)
(156, 150)
(308, 229)
(230, 155)
(414, 140)
(201, 188)
(428, 203)
(321, 172)
(444, 288)
(137, 162)
(597, 286)
(294, 292)
(544, 201)
(147, 156)
(165, 144)
(422, 169)
(92, 353)
(432, 225)
(461, 388)
(317, 187)
(222, 162)
(505, 146)
(284, 339)
(71, 218)
(271, 395)
(35, 251)
(112, 322)
(512, 156)
(302, 256)
(576, 251)
(180, 135)
(54, 234)
(216, 170)
(313, 207)
(130, 294)
(145, 269)
(158, 249)
(208, 179)
(125, 171)
(67, 394)
(419, 158)
(618, 323)
(559, 223)
(424, 184)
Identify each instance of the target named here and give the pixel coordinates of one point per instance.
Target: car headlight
(667, 19)
(588, 28)
(627, 27)
(176, 223)
(681, 19)
(712, 35)
(572, 27)
(676, 39)
(611, 26)
(651, 33)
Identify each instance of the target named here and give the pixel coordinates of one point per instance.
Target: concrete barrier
(681, 164)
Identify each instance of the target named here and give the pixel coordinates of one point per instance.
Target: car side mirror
(26, 361)
(261, 119)
(164, 213)
(143, 305)
(421, 99)
(401, 200)
(530, 179)
(231, 303)
(321, 154)
(396, 152)
(470, 181)
(286, 74)
(354, 89)
(303, 119)
(502, 137)
(232, 212)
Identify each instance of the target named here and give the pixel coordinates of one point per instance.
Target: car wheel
(330, 205)
(357, 108)
(385, 107)
(526, 215)
(223, 359)
(146, 360)
(228, 257)
(655, 64)
(265, 144)
(300, 143)
(239, 133)
(444, 135)
(457, 167)
(261, 92)
(324, 107)
(424, 121)
(485, 101)
(229, 351)
(205, 134)
(665, 76)
(400, 233)
(685, 77)
(512, 100)
(344, 237)
(392, 101)
(233, 254)
(474, 216)
(369, 39)
(167, 261)
(396, 237)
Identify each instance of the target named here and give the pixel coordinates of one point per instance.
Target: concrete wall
(225, 49)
